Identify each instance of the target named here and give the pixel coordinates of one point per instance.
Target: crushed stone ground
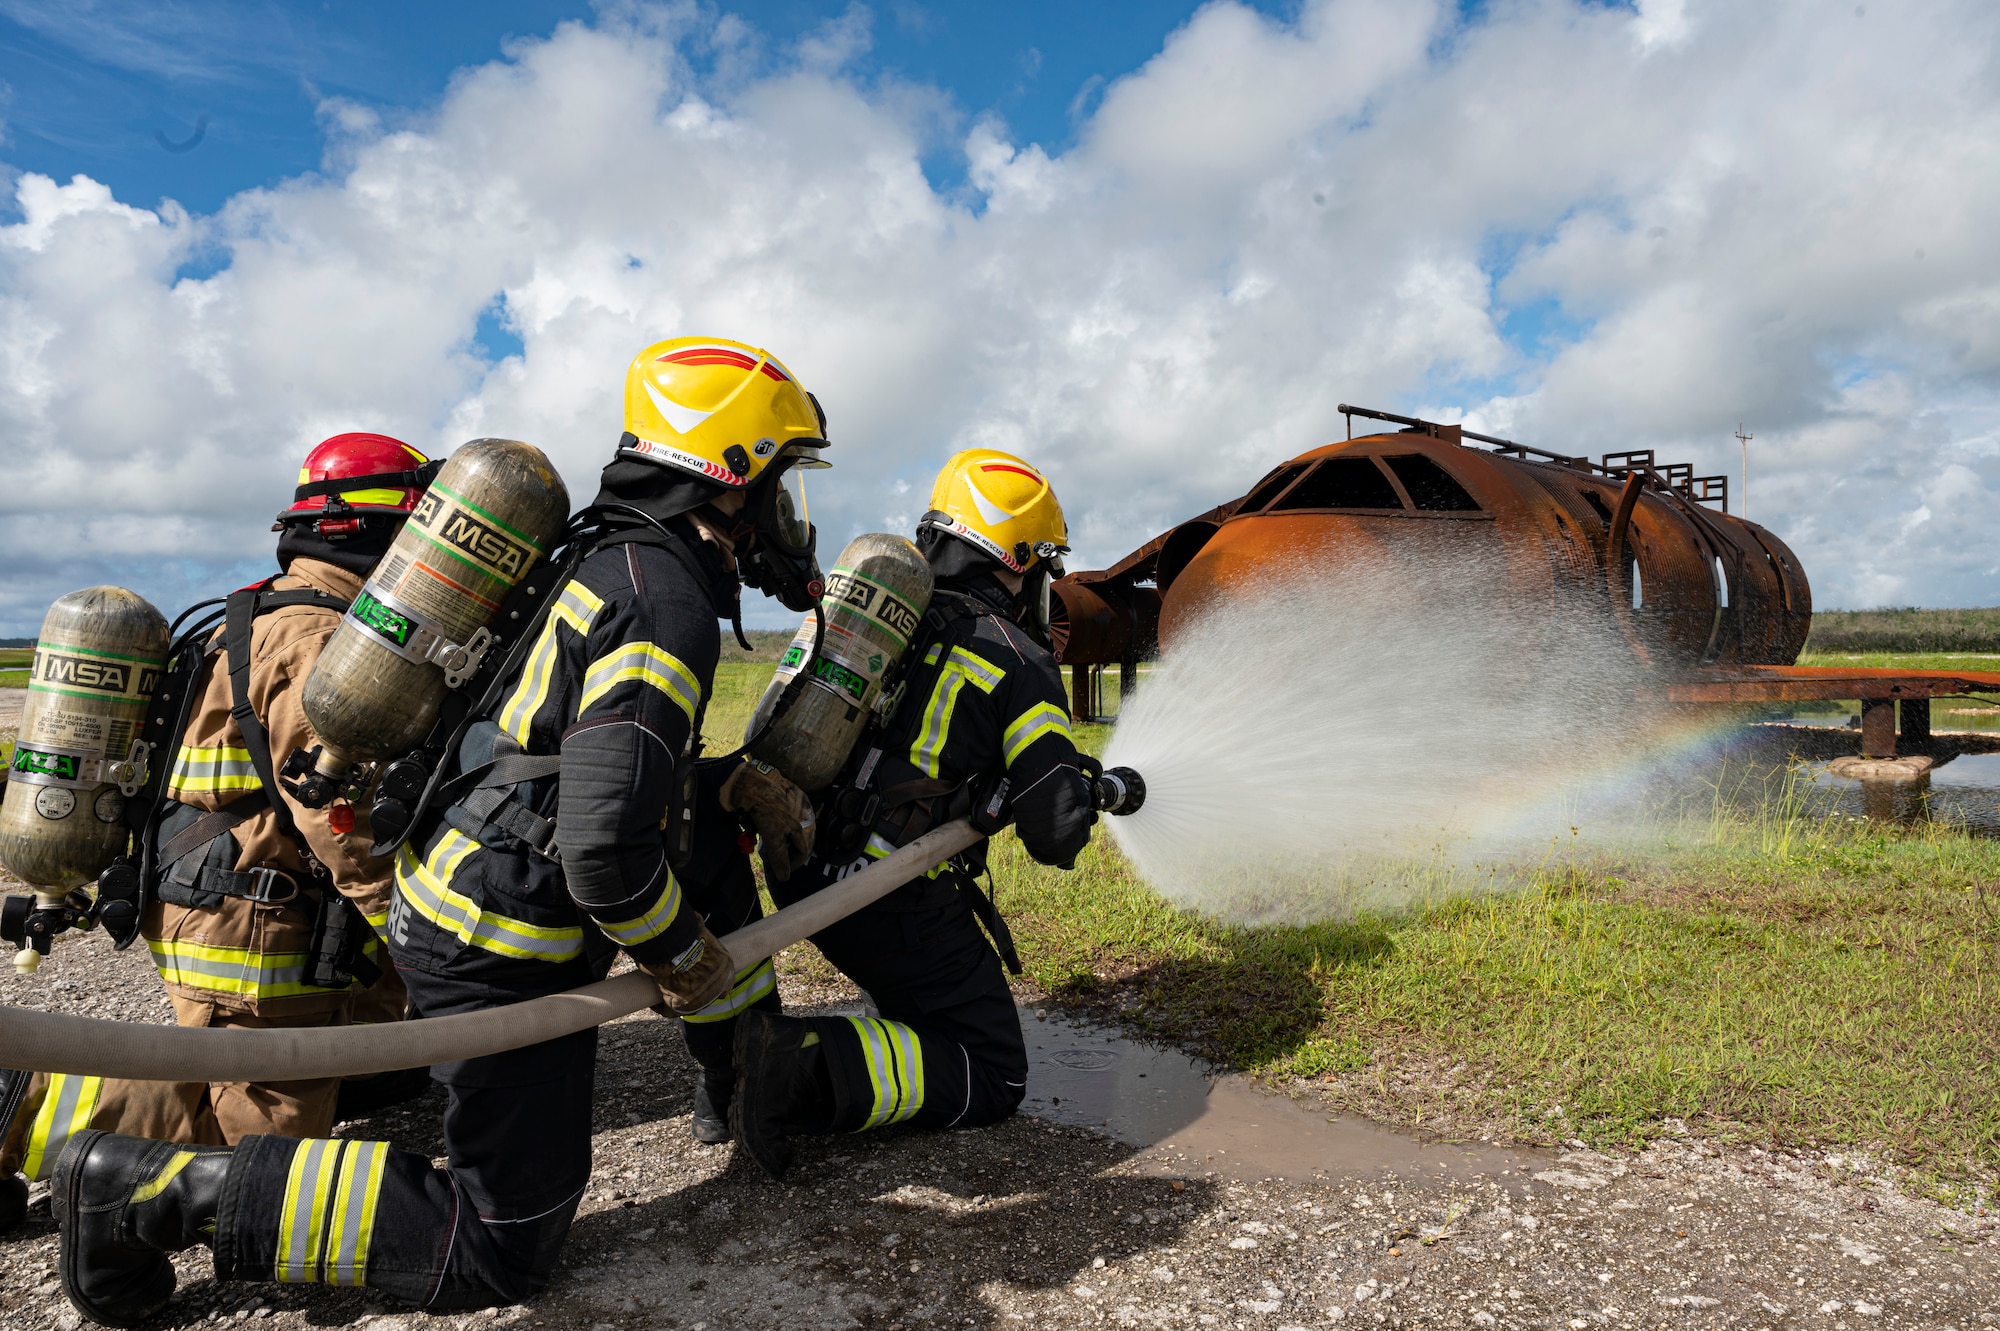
(1032, 1223)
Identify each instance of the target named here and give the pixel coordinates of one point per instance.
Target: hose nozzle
(1119, 790)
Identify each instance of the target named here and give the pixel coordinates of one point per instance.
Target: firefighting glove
(780, 812)
(696, 978)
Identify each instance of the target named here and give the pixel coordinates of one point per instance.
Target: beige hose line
(55, 1042)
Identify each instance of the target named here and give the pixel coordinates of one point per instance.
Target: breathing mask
(775, 538)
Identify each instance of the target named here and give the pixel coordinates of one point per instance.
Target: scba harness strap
(194, 866)
(857, 808)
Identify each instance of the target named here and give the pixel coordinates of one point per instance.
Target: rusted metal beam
(1819, 683)
(1878, 728)
(1915, 731)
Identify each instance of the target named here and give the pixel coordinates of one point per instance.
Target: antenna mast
(1743, 507)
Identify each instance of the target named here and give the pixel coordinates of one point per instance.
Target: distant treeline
(770, 645)
(1907, 630)
(17, 642)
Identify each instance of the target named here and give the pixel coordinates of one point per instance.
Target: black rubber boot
(783, 1087)
(362, 1096)
(714, 1092)
(13, 1202)
(124, 1204)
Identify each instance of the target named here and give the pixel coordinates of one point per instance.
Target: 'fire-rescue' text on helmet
(349, 477)
(1002, 507)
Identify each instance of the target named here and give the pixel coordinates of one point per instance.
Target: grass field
(1768, 977)
(1906, 630)
(14, 666)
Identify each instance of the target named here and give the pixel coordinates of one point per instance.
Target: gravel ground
(1041, 1222)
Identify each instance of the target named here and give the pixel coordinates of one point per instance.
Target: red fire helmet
(350, 476)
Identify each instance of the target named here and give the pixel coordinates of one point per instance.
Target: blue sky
(1151, 245)
(95, 87)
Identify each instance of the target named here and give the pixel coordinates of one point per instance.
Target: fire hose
(55, 1042)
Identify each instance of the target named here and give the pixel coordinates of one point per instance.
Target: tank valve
(31, 924)
(1119, 790)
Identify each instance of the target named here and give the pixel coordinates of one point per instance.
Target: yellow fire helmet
(721, 410)
(1002, 506)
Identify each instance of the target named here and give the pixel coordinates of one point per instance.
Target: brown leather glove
(701, 977)
(780, 812)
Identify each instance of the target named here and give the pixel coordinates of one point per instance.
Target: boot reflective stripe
(354, 1202)
(231, 970)
(145, 1192)
(1044, 718)
(895, 1066)
(577, 607)
(206, 771)
(648, 664)
(750, 986)
(423, 887)
(66, 1110)
(302, 1222)
(653, 923)
(962, 668)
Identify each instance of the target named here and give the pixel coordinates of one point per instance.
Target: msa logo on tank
(830, 673)
(384, 621)
(46, 765)
(473, 535)
(55, 668)
(878, 602)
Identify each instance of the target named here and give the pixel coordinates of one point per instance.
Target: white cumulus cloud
(1592, 228)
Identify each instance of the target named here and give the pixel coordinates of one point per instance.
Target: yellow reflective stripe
(389, 498)
(1044, 718)
(750, 986)
(981, 672)
(66, 1109)
(425, 887)
(960, 669)
(577, 609)
(648, 664)
(354, 1202)
(200, 769)
(895, 1068)
(231, 970)
(302, 1222)
(653, 923)
(879, 846)
(145, 1192)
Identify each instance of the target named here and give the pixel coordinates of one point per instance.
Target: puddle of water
(1189, 1119)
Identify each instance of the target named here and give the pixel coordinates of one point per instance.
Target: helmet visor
(789, 526)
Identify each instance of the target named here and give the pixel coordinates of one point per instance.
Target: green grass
(13, 666)
(1758, 972)
(1774, 979)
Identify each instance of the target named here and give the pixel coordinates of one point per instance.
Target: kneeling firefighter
(981, 725)
(257, 905)
(548, 857)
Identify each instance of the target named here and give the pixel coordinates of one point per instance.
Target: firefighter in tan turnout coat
(243, 927)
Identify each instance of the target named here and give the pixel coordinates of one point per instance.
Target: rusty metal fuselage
(1686, 586)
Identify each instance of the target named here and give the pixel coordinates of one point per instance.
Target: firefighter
(256, 893)
(983, 705)
(514, 892)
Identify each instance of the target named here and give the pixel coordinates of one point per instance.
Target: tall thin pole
(1743, 506)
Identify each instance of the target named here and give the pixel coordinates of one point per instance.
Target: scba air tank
(97, 662)
(423, 613)
(875, 598)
